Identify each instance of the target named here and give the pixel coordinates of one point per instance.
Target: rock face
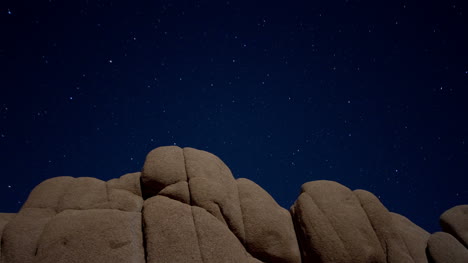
(443, 247)
(454, 221)
(185, 206)
(335, 224)
(83, 219)
(196, 190)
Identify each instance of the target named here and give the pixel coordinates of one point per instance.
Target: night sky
(371, 95)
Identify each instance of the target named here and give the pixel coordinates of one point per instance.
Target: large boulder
(414, 237)
(443, 247)
(21, 236)
(186, 206)
(332, 226)
(196, 178)
(178, 232)
(455, 222)
(63, 193)
(54, 204)
(164, 169)
(93, 235)
(269, 230)
(335, 224)
(200, 180)
(5, 218)
(381, 221)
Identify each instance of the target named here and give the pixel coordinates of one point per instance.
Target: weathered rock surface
(443, 247)
(333, 227)
(269, 230)
(198, 182)
(455, 222)
(68, 219)
(4, 219)
(381, 221)
(186, 206)
(105, 235)
(414, 237)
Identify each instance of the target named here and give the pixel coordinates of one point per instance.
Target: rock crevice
(186, 206)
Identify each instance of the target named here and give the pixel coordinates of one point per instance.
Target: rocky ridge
(185, 206)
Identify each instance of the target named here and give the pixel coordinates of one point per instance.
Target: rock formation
(185, 206)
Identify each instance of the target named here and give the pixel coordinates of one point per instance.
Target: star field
(372, 95)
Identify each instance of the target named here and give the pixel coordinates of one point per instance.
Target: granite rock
(186, 206)
(455, 222)
(443, 247)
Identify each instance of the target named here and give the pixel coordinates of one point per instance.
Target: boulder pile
(186, 206)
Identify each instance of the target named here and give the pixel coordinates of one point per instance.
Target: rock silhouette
(185, 206)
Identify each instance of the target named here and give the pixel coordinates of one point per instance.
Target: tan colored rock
(310, 230)
(414, 237)
(62, 193)
(381, 221)
(5, 218)
(195, 211)
(68, 193)
(213, 188)
(177, 232)
(217, 243)
(164, 166)
(129, 182)
(48, 194)
(196, 178)
(124, 193)
(164, 174)
(253, 260)
(333, 227)
(21, 236)
(455, 222)
(94, 235)
(443, 247)
(177, 191)
(84, 193)
(169, 231)
(269, 230)
(20, 239)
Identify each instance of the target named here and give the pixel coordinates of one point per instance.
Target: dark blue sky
(368, 94)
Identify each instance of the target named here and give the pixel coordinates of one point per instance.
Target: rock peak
(186, 206)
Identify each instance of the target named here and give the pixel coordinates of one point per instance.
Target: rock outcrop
(454, 221)
(186, 206)
(443, 247)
